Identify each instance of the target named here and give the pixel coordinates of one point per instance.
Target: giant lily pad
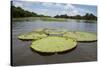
(55, 31)
(53, 44)
(39, 30)
(32, 36)
(81, 36)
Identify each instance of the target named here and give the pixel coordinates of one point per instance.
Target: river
(23, 55)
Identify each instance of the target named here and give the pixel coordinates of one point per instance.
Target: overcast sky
(52, 9)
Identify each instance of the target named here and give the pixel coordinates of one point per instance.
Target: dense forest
(19, 12)
(87, 16)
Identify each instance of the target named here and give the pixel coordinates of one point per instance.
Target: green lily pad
(39, 30)
(53, 44)
(32, 36)
(81, 36)
(55, 31)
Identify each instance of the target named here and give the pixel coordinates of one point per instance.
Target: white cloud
(17, 4)
(71, 10)
(52, 9)
(68, 9)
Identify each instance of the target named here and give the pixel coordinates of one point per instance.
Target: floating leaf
(55, 31)
(81, 36)
(32, 36)
(53, 44)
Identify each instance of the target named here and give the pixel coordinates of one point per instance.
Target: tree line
(87, 16)
(19, 12)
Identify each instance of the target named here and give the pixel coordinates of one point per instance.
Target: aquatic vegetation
(32, 36)
(39, 31)
(53, 44)
(52, 40)
(81, 36)
(55, 31)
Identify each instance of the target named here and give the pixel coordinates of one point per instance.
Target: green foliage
(90, 16)
(61, 16)
(19, 12)
(87, 16)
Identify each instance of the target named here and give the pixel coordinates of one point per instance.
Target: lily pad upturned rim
(66, 45)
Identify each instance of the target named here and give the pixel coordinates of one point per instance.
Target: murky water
(23, 55)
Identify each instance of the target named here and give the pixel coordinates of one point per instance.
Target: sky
(52, 9)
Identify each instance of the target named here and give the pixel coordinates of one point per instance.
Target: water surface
(23, 55)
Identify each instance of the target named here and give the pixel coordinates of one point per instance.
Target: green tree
(19, 12)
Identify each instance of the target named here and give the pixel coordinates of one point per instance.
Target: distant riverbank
(47, 19)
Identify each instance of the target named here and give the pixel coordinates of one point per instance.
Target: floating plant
(53, 44)
(81, 36)
(32, 36)
(55, 31)
(52, 40)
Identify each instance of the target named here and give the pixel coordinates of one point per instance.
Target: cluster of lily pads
(55, 40)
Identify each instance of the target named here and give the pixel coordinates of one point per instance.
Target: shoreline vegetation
(40, 18)
(48, 19)
(18, 13)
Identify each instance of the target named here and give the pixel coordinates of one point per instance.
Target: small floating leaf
(55, 31)
(39, 30)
